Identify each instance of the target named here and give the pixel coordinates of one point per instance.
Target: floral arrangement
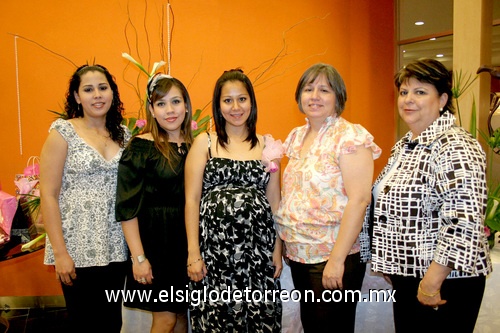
(135, 125)
(273, 150)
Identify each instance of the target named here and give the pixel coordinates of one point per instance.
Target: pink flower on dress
(140, 123)
(273, 150)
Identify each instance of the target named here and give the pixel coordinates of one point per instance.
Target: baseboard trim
(29, 302)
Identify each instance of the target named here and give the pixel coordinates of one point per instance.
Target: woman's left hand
(428, 293)
(429, 297)
(332, 275)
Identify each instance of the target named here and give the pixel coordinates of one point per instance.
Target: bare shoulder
(200, 143)
(55, 141)
(146, 136)
(262, 139)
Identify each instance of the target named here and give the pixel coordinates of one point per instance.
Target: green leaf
(30, 204)
(131, 123)
(461, 82)
(135, 62)
(484, 136)
(196, 114)
(61, 115)
(203, 121)
(492, 217)
(473, 121)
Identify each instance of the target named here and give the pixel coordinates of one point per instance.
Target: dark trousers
(88, 307)
(331, 316)
(459, 314)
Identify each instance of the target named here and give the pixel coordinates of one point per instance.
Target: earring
(440, 109)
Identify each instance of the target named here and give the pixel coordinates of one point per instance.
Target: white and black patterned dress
(87, 203)
(236, 241)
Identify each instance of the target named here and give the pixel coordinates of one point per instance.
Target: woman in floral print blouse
(428, 212)
(326, 189)
(78, 174)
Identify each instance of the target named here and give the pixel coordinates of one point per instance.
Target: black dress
(237, 239)
(149, 189)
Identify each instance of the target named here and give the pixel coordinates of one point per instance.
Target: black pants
(88, 307)
(459, 314)
(332, 316)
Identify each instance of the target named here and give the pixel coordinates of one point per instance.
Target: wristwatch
(140, 258)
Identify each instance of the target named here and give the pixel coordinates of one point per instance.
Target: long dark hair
(220, 122)
(114, 116)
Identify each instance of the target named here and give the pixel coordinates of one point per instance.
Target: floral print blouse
(87, 203)
(313, 194)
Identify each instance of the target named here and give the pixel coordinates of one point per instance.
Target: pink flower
(487, 231)
(194, 125)
(140, 123)
(272, 167)
(273, 150)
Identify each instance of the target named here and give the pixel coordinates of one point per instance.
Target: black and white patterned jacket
(432, 207)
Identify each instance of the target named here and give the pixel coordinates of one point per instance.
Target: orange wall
(357, 37)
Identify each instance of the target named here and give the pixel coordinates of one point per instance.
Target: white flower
(135, 62)
(129, 58)
(156, 66)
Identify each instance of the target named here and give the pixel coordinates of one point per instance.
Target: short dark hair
(429, 71)
(334, 80)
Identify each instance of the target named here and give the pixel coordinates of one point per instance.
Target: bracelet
(426, 294)
(194, 262)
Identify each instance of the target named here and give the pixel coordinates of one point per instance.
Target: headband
(153, 81)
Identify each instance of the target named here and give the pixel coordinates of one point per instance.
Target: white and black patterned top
(87, 203)
(431, 207)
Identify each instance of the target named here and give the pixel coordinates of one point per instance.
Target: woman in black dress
(150, 203)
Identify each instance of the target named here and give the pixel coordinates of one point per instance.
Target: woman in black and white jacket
(427, 217)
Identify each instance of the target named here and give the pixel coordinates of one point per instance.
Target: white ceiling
(438, 18)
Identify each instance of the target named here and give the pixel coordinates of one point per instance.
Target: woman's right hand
(65, 269)
(196, 269)
(143, 272)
